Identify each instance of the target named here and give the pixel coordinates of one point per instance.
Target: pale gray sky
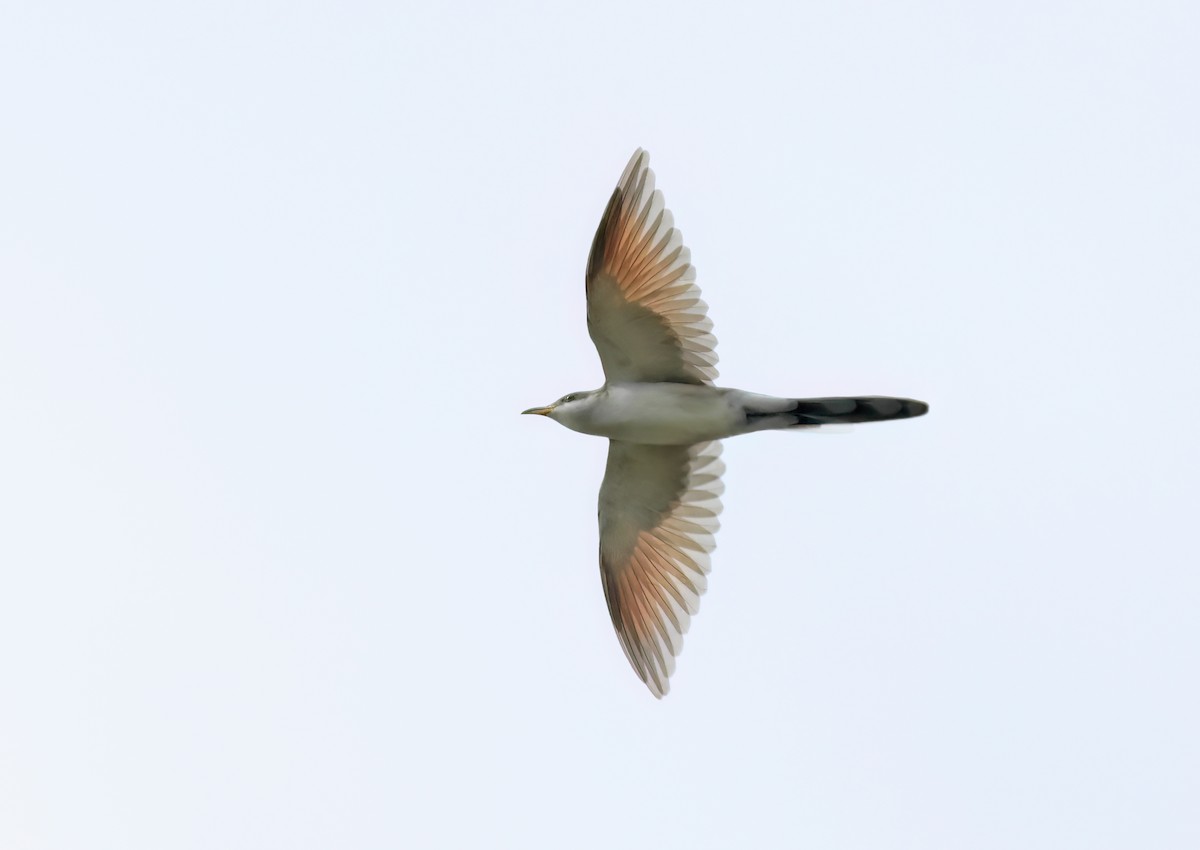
(281, 566)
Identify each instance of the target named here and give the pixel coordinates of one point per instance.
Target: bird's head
(566, 406)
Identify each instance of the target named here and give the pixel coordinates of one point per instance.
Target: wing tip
(639, 161)
(638, 164)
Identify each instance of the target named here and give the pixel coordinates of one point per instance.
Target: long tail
(827, 411)
(767, 412)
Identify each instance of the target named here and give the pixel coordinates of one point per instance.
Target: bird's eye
(570, 397)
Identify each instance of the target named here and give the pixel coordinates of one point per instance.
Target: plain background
(281, 566)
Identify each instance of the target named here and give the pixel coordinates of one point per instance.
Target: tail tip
(915, 408)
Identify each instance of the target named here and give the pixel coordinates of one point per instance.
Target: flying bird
(663, 417)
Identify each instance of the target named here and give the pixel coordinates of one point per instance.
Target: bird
(664, 419)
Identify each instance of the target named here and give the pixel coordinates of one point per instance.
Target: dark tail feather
(829, 411)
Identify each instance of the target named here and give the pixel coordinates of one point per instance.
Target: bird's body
(663, 417)
(671, 414)
(657, 414)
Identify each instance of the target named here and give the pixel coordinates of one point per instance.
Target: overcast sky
(281, 566)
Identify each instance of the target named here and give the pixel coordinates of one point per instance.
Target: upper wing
(658, 515)
(644, 309)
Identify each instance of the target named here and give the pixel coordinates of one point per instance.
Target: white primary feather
(645, 314)
(658, 511)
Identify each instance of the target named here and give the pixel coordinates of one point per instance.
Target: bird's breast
(660, 414)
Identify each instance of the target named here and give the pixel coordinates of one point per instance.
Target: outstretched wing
(644, 309)
(658, 516)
